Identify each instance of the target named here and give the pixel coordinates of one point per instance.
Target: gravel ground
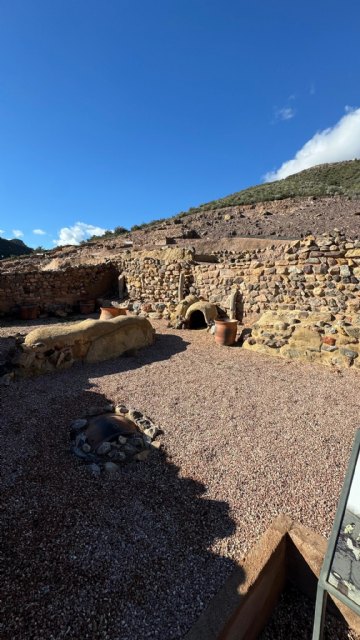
(293, 619)
(138, 555)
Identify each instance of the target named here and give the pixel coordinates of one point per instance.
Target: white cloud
(286, 113)
(340, 142)
(17, 233)
(39, 232)
(2, 231)
(78, 232)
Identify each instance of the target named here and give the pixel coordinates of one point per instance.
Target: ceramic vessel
(107, 313)
(225, 332)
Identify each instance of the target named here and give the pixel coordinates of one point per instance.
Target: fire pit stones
(112, 438)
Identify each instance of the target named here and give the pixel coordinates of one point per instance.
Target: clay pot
(29, 312)
(107, 313)
(225, 332)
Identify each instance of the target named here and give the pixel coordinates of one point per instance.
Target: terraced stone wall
(62, 287)
(315, 274)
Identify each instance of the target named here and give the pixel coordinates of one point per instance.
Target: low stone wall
(154, 276)
(312, 337)
(315, 274)
(62, 287)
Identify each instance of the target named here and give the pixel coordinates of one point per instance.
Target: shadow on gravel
(122, 556)
(164, 347)
(7, 349)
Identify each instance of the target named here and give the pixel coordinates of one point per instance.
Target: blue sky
(116, 112)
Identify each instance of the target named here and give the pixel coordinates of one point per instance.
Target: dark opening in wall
(197, 320)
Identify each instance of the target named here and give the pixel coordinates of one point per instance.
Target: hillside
(336, 179)
(13, 247)
(259, 216)
(312, 201)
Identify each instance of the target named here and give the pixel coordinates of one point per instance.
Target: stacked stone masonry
(47, 289)
(310, 336)
(315, 274)
(152, 279)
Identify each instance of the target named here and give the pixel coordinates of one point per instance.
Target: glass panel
(345, 567)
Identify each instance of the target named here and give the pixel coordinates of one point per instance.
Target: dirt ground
(139, 554)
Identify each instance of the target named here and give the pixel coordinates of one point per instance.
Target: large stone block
(90, 340)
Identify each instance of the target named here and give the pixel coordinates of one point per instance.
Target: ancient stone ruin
(312, 337)
(296, 301)
(192, 289)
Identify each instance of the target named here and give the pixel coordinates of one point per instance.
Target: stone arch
(201, 314)
(196, 320)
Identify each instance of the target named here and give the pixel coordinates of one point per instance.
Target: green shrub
(119, 231)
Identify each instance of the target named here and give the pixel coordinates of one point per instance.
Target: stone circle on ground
(111, 437)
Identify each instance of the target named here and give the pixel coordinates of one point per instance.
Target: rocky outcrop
(312, 337)
(53, 347)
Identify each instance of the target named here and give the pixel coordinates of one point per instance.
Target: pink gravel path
(138, 555)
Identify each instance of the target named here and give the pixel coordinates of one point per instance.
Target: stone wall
(50, 288)
(303, 335)
(310, 275)
(154, 275)
(315, 274)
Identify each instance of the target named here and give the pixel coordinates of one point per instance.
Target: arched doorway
(197, 320)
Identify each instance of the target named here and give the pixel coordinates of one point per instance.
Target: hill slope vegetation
(316, 200)
(336, 179)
